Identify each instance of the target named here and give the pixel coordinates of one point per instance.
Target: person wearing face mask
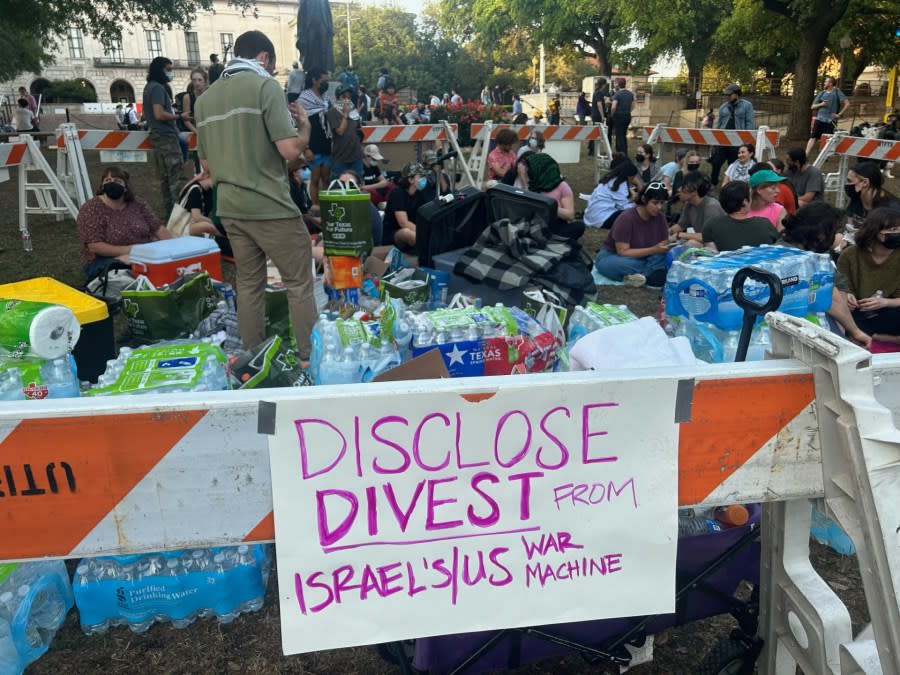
(865, 189)
(113, 221)
(635, 250)
(346, 123)
(690, 161)
(869, 276)
(645, 161)
(399, 227)
(815, 228)
(314, 101)
(167, 155)
(375, 180)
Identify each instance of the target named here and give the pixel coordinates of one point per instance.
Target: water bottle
(9, 655)
(692, 523)
(26, 241)
(829, 533)
(872, 314)
(34, 600)
(11, 385)
(225, 608)
(60, 378)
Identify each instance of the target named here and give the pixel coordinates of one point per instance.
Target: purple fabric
(441, 654)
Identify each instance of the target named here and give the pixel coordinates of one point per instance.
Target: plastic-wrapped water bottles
(593, 316)
(33, 378)
(179, 365)
(701, 289)
(356, 350)
(34, 600)
(175, 586)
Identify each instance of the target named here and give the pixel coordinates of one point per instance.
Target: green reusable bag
(169, 312)
(346, 220)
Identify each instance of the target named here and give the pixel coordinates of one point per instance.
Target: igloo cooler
(164, 261)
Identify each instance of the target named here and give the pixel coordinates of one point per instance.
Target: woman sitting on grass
(114, 221)
(869, 276)
(635, 250)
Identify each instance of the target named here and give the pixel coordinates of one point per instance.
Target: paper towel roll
(38, 328)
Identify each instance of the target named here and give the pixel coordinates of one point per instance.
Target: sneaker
(634, 280)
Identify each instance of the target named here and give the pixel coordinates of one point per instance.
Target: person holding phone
(635, 250)
(346, 144)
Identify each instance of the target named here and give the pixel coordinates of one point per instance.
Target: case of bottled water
(495, 340)
(593, 316)
(344, 351)
(701, 289)
(34, 378)
(34, 600)
(171, 586)
(179, 365)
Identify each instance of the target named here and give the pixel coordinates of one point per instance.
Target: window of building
(114, 51)
(154, 46)
(76, 43)
(226, 40)
(192, 43)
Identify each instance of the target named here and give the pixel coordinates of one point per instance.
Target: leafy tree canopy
(32, 27)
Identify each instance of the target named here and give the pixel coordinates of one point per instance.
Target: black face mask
(892, 240)
(323, 87)
(850, 190)
(693, 167)
(113, 190)
(639, 158)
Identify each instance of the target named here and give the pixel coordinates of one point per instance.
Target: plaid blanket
(526, 253)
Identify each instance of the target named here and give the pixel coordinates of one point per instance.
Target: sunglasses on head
(655, 186)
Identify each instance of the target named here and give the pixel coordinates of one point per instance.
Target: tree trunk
(805, 74)
(813, 20)
(695, 77)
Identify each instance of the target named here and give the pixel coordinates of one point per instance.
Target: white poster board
(410, 512)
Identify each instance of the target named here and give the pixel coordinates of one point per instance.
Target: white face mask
(170, 75)
(532, 143)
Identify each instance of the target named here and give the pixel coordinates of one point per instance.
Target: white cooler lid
(167, 250)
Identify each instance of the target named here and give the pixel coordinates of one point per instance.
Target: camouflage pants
(169, 170)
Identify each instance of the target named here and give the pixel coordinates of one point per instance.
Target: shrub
(69, 91)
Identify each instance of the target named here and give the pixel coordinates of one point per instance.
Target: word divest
(411, 509)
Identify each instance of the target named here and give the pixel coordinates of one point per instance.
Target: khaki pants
(286, 241)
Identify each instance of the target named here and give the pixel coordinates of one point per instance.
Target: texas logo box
(162, 262)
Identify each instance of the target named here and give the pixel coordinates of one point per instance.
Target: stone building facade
(118, 72)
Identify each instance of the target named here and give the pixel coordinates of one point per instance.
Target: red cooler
(164, 261)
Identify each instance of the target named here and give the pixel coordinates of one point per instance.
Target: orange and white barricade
(846, 146)
(765, 140)
(815, 422)
(115, 147)
(47, 195)
(484, 132)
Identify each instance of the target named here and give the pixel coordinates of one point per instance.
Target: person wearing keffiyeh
(314, 101)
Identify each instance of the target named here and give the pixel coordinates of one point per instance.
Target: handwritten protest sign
(412, 512)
